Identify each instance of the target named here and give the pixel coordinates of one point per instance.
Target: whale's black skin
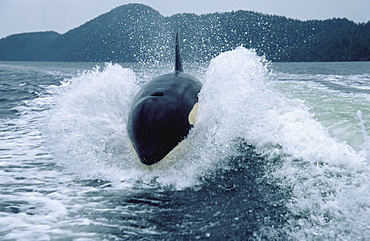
(159, 118)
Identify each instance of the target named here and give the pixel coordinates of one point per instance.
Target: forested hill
(136, 32)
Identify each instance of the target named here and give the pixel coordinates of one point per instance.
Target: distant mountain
(27, 46)
(135, 32)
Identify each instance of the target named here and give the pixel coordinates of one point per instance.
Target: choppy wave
(318, 164)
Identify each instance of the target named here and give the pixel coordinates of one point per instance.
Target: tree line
(135, 32)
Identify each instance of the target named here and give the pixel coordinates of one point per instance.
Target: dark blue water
(278, 152)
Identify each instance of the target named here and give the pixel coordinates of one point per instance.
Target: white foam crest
(88, 121)
(328, 179)
(238, 98)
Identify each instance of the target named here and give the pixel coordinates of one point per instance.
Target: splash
(87, 123)
(238, 101)
(327, 177)
(328, 180)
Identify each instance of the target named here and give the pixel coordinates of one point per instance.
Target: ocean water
(279, 151)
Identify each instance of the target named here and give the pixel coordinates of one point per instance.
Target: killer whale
(163, 112)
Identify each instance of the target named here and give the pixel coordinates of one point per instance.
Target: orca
(163, 112)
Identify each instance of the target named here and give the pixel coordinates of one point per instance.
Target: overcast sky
(17, 16)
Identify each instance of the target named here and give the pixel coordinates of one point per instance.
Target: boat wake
(240, 112)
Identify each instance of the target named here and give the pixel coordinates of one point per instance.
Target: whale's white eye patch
(157, 94)
(193, 114)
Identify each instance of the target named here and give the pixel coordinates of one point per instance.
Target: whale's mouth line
(172, 156)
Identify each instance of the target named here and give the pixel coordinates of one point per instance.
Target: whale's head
(161, 116)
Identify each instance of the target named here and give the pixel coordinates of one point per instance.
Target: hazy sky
(17, 16)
